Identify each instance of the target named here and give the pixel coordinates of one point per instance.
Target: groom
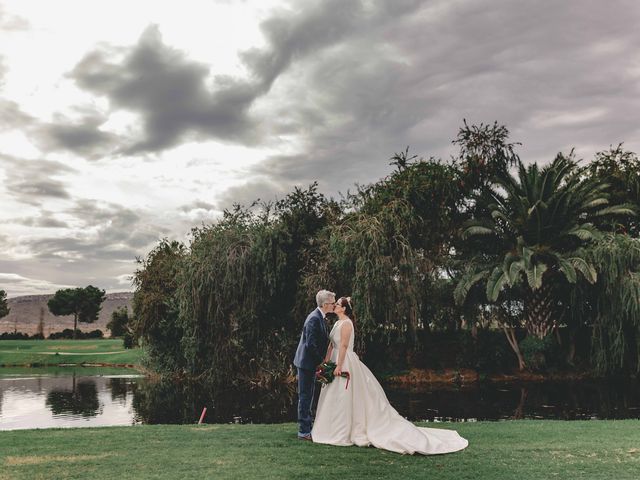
(311, 351)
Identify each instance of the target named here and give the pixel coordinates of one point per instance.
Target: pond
(76, 397)
(66, 397)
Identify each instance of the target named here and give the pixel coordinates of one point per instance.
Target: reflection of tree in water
(518, 414)
(82, 399)
(119, 388)
(166, 401)
(579, 400)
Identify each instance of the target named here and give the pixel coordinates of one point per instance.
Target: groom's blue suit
(310, 353)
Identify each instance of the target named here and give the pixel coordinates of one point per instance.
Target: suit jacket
(313, 342)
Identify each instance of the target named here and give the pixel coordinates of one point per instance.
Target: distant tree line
(502, 255)
(66, 334)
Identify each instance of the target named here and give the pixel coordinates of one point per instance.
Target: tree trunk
(539, 311)
(572, 347)
(75, 324)
(513, 341)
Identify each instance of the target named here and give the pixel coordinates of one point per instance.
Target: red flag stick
(204, 411)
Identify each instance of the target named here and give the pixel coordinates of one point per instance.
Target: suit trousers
(306, 386)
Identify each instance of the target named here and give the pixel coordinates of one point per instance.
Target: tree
(119, 323)
(529, 234)
(41, 323)
(83, 303)
(620, 169)
(4, 307)
(611, 306)
(155, 308)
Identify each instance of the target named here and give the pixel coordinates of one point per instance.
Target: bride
(357, 412)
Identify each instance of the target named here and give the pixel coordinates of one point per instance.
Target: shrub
(67, 334)
(541, 354)
(94, 334)
(14, 336)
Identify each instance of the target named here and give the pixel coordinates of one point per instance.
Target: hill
(26, 310)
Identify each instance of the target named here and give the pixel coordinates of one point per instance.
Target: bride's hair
(345, 302)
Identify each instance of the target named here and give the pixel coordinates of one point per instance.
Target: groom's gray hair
(324, 296)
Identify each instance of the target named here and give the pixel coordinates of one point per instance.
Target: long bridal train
(361, 414)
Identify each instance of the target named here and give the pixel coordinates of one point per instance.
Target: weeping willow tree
(612, 306)
(155, 305)
(239, 287)
(371, 255)
(389, 247)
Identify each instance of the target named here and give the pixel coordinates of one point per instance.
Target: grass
(57, 352)
(520, 450)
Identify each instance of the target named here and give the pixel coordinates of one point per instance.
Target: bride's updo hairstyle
(345, 302)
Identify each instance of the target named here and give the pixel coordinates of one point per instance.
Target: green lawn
(519, 450)
(56, 352)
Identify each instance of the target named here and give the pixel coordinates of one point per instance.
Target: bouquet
(325, 375)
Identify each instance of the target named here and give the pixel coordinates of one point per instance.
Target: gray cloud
(103, 231)
(557, 74)
(82, 137)
(173, 95)
(11, 115)
(115, 224)
(33, 181)
(168, 90)
(263, 190)
(43, 220)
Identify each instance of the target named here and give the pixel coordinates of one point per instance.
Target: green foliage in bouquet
(324, 373)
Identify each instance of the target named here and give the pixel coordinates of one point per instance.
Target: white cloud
(16, 285)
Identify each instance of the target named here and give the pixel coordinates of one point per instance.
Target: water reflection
(41, 398)
(81, 399)
(119, 388)
(182, 402)
(169, 402)
(549, 400)
(71, 397)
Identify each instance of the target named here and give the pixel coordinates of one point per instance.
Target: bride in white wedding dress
(358, 412)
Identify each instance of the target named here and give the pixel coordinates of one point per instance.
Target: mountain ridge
(24, 314)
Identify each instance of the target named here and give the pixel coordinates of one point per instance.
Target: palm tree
(529, 234)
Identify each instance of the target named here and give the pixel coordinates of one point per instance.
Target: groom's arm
(314, 339)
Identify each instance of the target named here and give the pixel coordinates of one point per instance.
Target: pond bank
(525, 450)
(464, 376)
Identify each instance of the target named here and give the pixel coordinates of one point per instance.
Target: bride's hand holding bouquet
(327, 371)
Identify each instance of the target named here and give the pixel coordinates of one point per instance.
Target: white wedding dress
(360, 414)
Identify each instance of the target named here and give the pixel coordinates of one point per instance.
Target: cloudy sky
(122, 122)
